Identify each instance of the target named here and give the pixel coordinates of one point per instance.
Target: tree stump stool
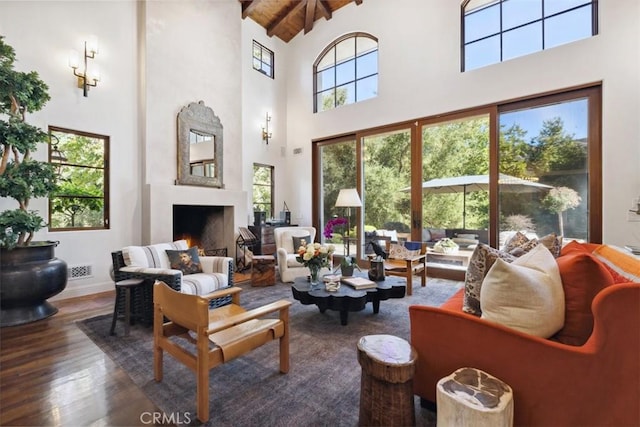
(386, 388)
(263, 270)
(471, 397)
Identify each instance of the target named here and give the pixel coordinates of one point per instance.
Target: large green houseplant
(21, 177)
(29, 272)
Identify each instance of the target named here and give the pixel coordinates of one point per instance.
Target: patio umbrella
(469, 183)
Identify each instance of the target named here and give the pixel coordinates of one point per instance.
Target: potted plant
(30, 273)
(446, 246)
(347, 265)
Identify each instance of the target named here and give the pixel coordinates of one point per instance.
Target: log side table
(471, 397)
(386, 388)
(263, 270)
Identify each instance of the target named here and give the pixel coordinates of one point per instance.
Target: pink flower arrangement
(328, 229)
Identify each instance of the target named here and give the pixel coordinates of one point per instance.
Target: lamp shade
(348, 198)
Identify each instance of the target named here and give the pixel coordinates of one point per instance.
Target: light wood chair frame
(175, 314)
(408, 267)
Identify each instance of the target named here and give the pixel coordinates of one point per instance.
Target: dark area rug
(322, 387)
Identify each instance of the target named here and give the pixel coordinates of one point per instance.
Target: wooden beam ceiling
(286, 18)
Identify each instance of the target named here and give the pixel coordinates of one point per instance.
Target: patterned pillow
(518, 240)
(400, 252)
(553, 242)
(186, 261)
(482, 259)
(300, 241)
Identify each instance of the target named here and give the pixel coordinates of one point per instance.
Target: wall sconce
(85, 79)
(266, 135)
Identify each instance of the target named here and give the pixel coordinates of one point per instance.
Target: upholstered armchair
(152, 263)
(288, 266)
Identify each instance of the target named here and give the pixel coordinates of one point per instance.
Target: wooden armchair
(407, 266)
(221, 334)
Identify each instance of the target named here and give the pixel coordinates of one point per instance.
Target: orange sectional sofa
(586, 374)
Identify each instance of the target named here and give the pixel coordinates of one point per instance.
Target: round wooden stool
(386, 388)
(471, 397)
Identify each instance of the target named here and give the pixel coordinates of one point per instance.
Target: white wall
(419, 76)
(262, 95)
(42, 34)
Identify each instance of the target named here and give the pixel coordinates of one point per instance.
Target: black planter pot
(28, 276)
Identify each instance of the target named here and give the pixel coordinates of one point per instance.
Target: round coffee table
(346, 298)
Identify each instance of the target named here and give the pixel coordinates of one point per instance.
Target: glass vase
(314, 271)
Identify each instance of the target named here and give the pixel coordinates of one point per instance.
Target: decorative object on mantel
(200, 146)
(29, 271)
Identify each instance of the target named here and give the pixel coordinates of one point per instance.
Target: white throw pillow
(525, 294)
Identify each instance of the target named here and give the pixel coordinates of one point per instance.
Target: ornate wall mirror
(199, 146)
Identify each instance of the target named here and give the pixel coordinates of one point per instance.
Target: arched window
(346, 72)
(497, 30)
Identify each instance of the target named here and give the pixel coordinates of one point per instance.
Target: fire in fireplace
(201, 226)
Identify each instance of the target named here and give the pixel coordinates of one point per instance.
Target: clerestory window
(498, 30)
(346, 72)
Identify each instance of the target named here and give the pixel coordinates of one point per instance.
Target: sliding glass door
(338, 170)
(547, 145)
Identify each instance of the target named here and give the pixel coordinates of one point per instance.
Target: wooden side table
(263, 270)
(386, 388)
(124, 286)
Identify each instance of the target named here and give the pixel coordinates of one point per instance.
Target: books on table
(359, 282)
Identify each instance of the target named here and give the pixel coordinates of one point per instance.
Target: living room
(144, 85)
(157, 57)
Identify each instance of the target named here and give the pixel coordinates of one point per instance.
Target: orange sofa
(596, 383)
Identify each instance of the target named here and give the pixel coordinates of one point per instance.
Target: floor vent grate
(76, 272)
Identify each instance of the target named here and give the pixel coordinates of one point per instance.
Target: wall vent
(297, 150)
(75, 272)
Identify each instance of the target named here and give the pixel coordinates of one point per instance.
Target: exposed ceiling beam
(248, 6)
(323, 7)
(277, 24)
(309, 16)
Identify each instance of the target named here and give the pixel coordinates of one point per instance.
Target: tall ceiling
(286, 18)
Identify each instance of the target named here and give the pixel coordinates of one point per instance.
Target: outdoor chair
(219, 334)
(407, 260)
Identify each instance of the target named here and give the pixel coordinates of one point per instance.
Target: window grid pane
(349, 60)
(262, 59)
(522, 29)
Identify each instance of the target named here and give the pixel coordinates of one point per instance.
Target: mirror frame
(196, 116)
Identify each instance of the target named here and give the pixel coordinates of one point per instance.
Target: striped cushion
(203, 283)
(154, 256)
(624, 266)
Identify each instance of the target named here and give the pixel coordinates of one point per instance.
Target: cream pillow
(525, 294)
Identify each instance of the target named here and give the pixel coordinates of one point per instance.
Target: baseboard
(84, 290)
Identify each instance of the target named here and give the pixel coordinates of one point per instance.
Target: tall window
(263, 189)
(497, 30)
(532, 165)
(82, 199)
(346, 72)
(262, 59)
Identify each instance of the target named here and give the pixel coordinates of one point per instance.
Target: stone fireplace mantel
(157, 213)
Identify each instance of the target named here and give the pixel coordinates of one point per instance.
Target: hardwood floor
(52, 374)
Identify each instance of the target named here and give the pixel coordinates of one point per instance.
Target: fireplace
(202, 226)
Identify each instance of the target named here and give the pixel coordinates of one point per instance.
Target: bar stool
(123, 286)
